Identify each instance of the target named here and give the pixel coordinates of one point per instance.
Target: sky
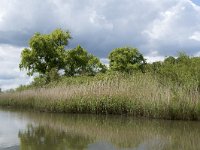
(157, 28)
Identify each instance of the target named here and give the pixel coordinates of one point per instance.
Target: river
(25, 130)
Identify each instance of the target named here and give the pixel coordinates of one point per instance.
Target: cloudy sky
(157, 28)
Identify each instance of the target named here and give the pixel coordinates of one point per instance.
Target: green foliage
(21, 88)
(47, 56)
(170, 60)
(39, 81)
(79, 62)
(126, 59)
(172, 92)
(138, 95)
(53, 75)
(183, 70)
(46, 52)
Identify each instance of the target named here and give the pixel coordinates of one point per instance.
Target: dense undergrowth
(137, 94)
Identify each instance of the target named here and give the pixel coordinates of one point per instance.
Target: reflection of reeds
(124, 132)
(140, 95)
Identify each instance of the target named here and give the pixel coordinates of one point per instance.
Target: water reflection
(61, 131)
(46, 138)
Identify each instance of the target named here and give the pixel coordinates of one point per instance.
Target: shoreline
(138, 96)
(106, 107)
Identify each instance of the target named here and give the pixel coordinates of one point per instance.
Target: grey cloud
(157, 28)
(10, 75)
(128, 22)
(7, 77)
(101, 25)
(15, 37)
(14, 83)
(23, 18)
(171, 31)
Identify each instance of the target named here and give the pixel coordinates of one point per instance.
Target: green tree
(183, 70)
(46, 52)
(170, 60)
(126, 59)
(183, 58)
(79, 62)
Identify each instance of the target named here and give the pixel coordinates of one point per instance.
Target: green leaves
(183, 70)
(126, 59)
(60, 37)
(47, 51)
(79, 62)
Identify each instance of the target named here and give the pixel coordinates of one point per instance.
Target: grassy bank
(137, 95)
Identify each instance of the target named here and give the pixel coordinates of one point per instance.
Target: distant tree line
(47, 57)
(183, 70)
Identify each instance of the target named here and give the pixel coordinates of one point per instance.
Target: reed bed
(137, 95)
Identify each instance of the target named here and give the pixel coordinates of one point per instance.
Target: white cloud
(1, 17)
(100, 21)
(169, 32)
(151, 59)
(195, 36)
(197, 54)
(157, 28)
(10, 75)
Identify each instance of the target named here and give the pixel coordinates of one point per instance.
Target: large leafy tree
(126, 59)
(46, 53)
(79, 62)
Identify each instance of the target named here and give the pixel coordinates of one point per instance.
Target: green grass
(137, 95)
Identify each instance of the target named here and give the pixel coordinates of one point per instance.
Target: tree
(183, 70)
(79, 62)
(183, 58)
(170, 60)
(46, 53)
(126, 59)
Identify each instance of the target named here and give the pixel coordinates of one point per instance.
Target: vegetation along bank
(76, 81)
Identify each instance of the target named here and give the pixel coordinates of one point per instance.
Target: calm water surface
(45, 131)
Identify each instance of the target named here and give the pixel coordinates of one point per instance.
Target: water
(46, 131)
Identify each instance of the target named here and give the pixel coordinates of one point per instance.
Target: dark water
(45, 131)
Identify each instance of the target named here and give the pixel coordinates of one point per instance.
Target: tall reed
(137, 95)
